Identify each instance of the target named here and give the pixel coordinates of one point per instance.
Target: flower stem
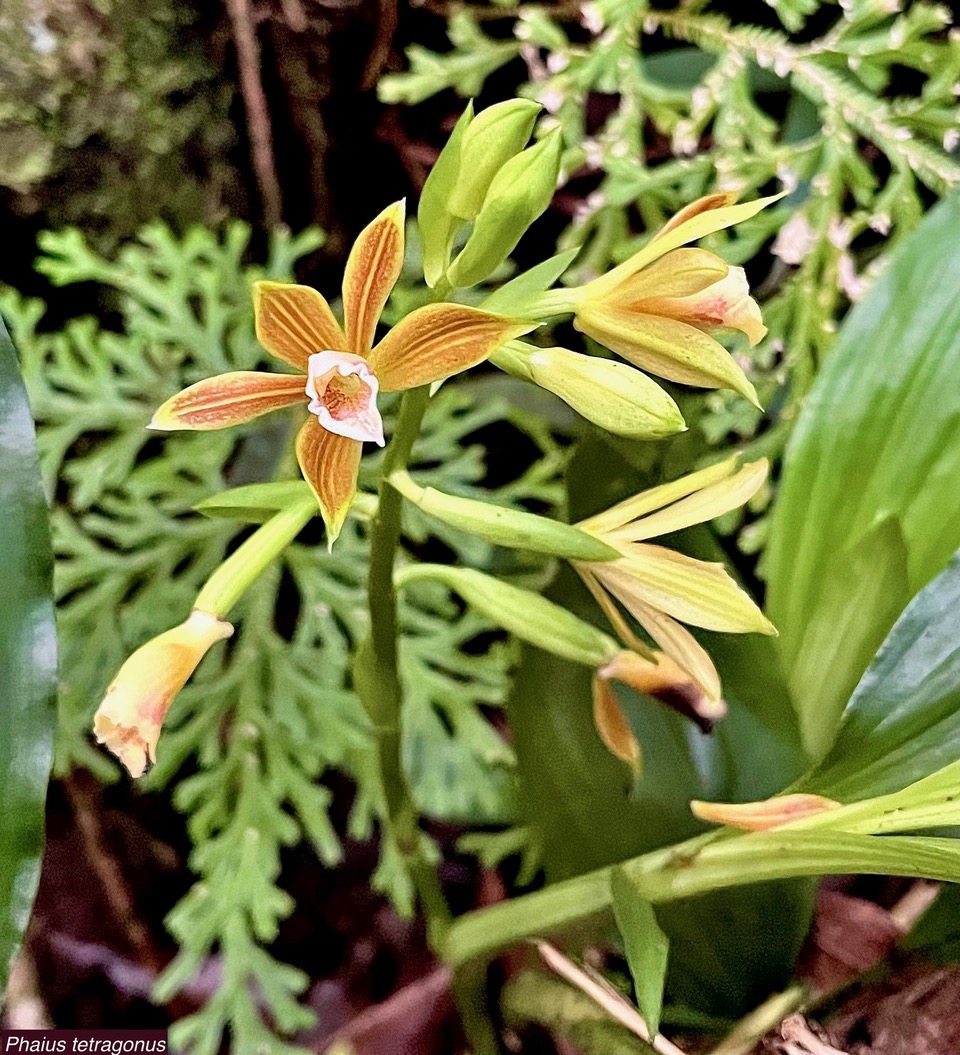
(377, 676)
(237, 573)
(553, 302)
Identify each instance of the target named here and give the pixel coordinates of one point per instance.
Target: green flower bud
(495, 135)
(519, 193)
(527, 615)
(505, 527)
(614, 396)
(437, 223)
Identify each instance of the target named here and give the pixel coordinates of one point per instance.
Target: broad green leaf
(646, 946)
(903, 721)
(28, 658)
(868, 510)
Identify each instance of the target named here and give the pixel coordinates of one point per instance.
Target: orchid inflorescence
(659, 311)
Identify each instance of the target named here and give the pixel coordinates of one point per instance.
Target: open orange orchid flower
(341, 370)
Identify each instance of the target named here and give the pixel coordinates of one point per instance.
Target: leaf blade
(28, 658)
(848, 470)
(647, 947)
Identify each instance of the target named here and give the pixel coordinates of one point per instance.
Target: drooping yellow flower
(341, 370)
(131, 714)
(659, 677)
(660, 308)
(661, 588)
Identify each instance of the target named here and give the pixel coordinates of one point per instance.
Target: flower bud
(518, 194)
(665, 680)
(437, 224)
(761, 816)
(614, 396)
(130, 716)
(505, 527)
(494, 136)
(527, 615)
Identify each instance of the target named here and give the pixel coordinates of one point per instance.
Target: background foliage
(251, 737)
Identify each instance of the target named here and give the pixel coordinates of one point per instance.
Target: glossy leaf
(28, 658)
(903, 721)
(645, 943)
(868, 510)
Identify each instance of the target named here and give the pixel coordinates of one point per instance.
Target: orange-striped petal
(708, 203)
(699, 219)
(371, 273)
(229, 399)
(438, 340)
(329, 464)
(723, 305)
(682, 273)
(294, 321)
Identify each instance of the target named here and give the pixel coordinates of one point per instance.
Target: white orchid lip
(343, 394)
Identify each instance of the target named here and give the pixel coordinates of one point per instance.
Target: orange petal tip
(764, 815)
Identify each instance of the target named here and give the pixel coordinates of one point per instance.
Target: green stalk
(377, 676)
(237, 573)
(377, 681)
(553, 302)
(698, 866)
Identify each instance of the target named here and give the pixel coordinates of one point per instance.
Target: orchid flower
(131, 714)
(659, 308)
(341, 370)
(661, 588)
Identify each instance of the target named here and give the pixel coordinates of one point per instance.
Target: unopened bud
(436, 222)
(665, 680)
(761, 816)
(527, 615)
(505, 527)
(614, 396)
(518, 194)
(495, 135)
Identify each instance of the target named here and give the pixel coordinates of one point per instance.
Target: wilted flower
(659, 308)
(660, 677)
(131, 714)
(764, 815)
(342, 371)
(661, 588)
